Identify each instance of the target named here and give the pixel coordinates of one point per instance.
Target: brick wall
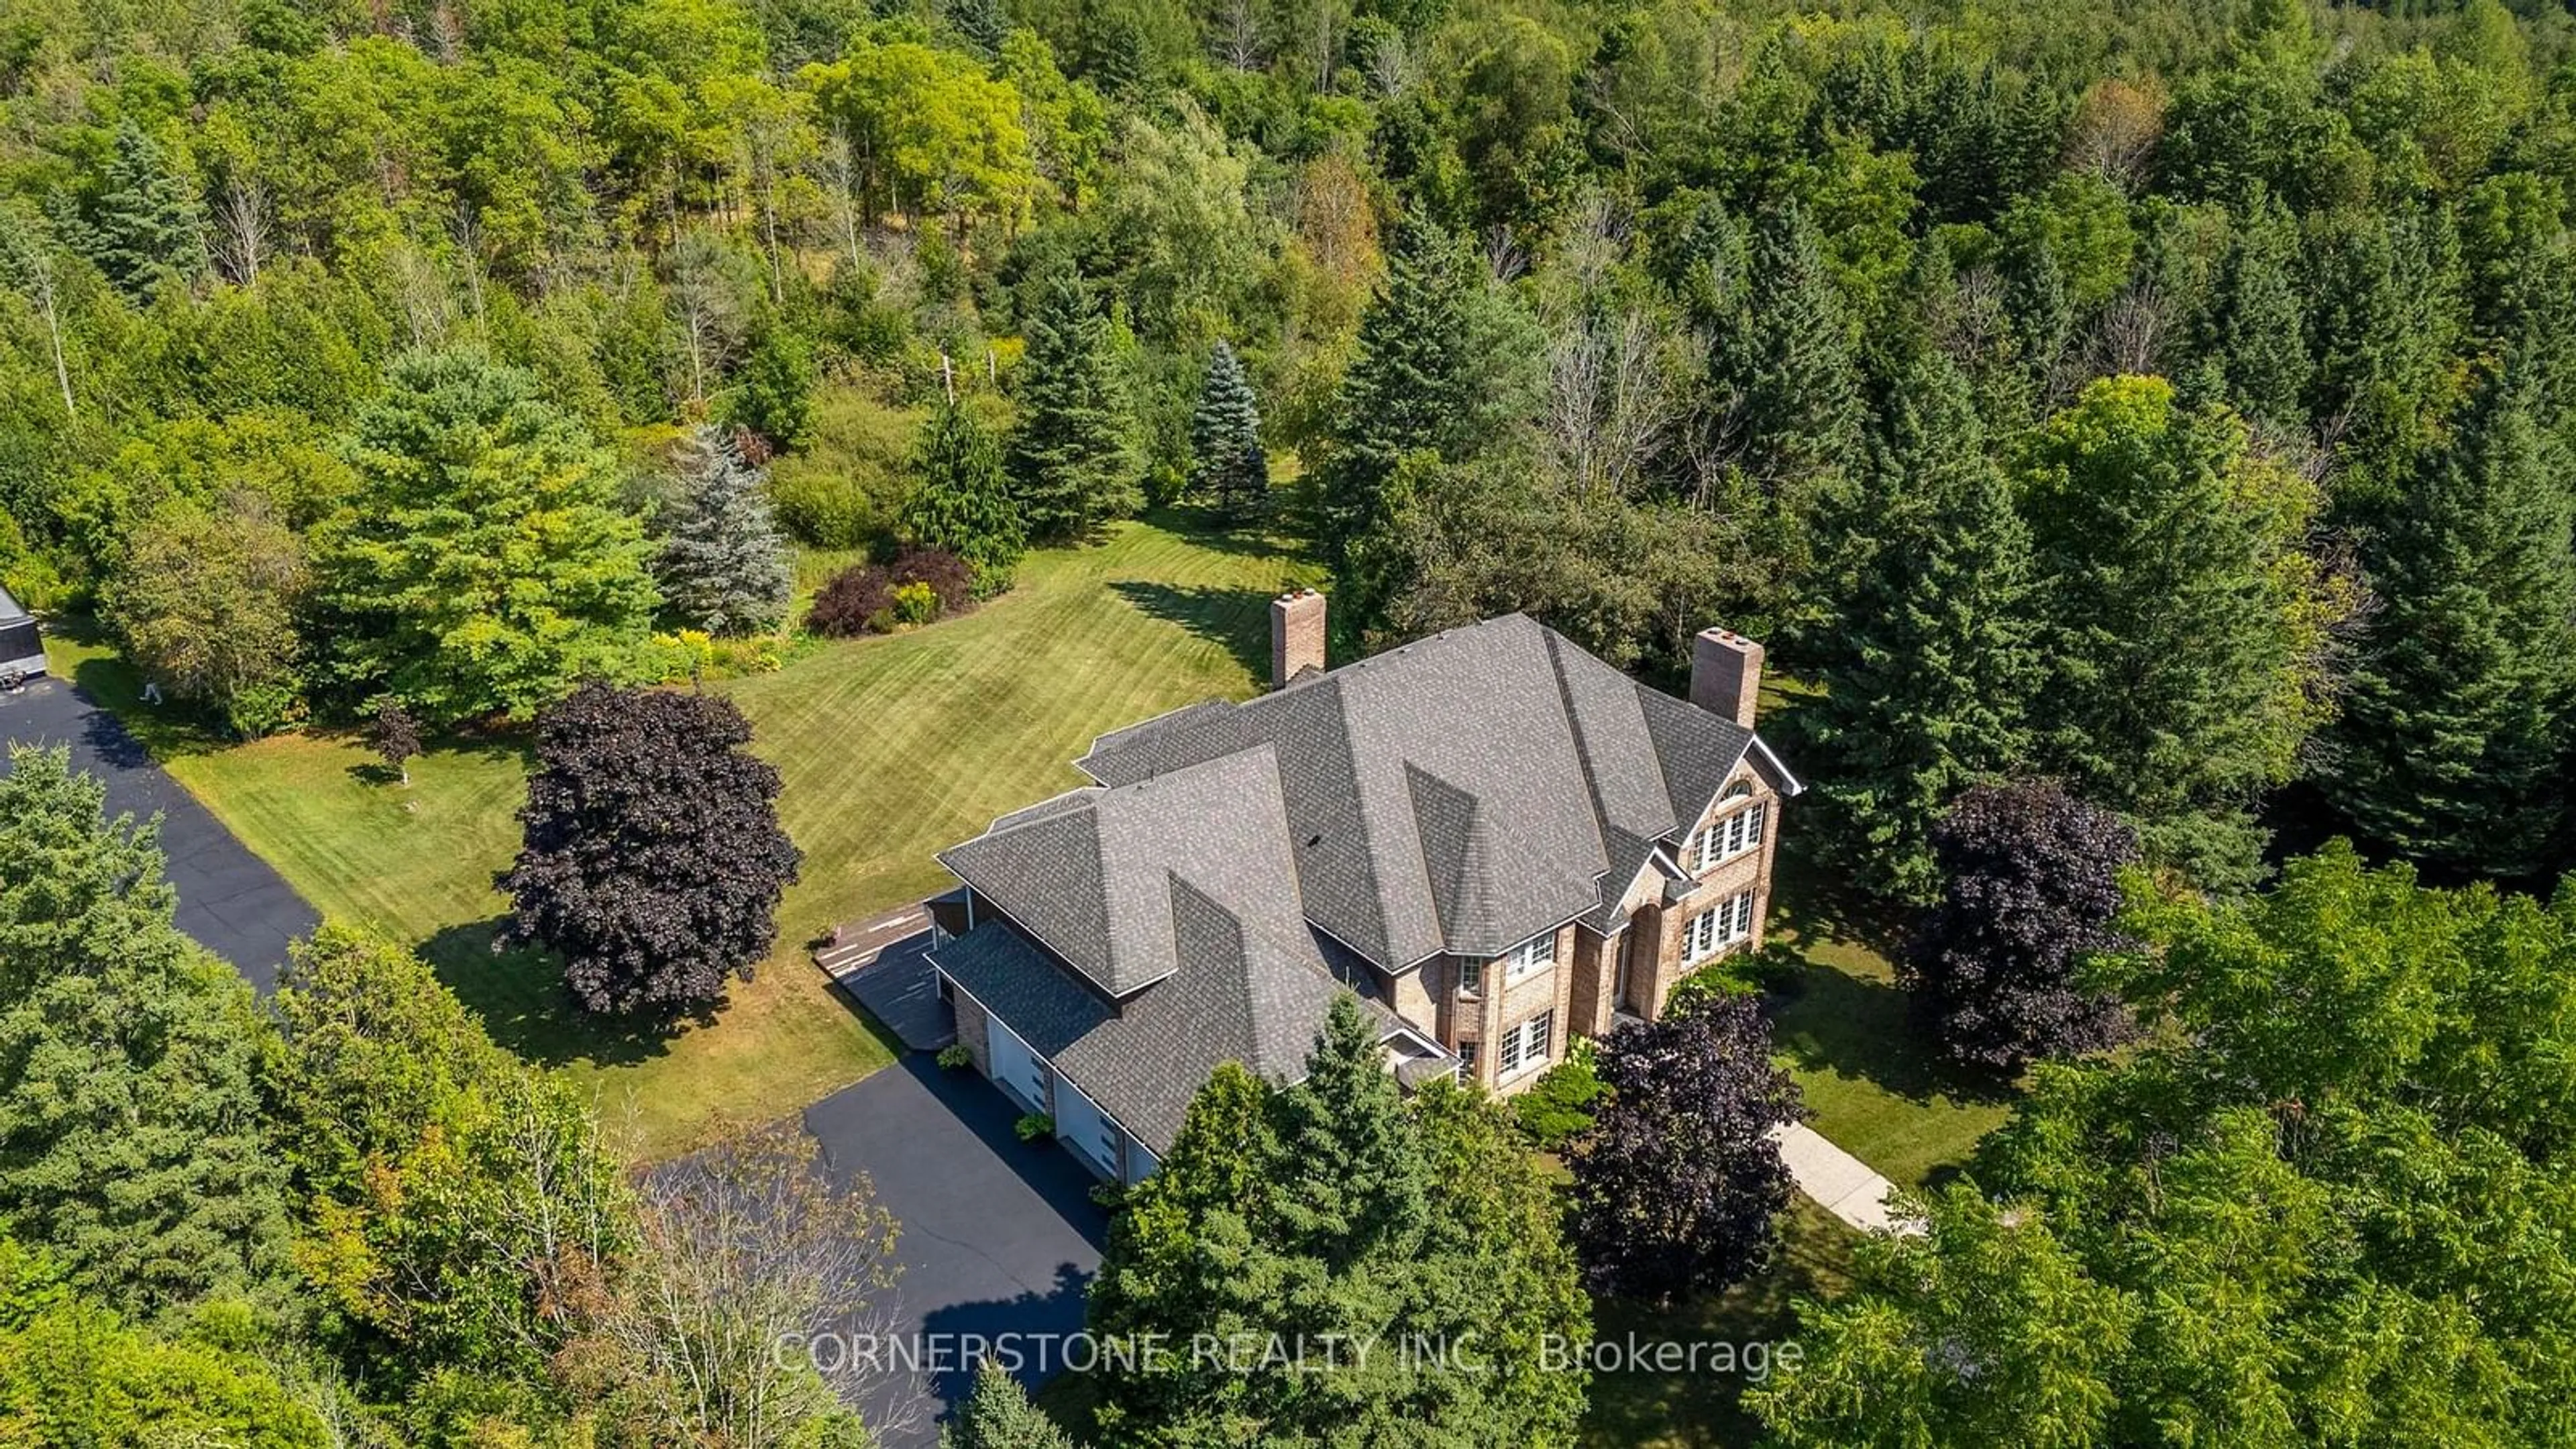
(971, 1034)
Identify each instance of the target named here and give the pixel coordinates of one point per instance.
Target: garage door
(1017, 1067)
(1085, 1128)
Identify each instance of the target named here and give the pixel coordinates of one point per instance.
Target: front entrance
(1636, 951)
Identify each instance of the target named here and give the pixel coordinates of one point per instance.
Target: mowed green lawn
(890, 749)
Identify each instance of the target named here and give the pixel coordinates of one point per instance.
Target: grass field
(890, 749)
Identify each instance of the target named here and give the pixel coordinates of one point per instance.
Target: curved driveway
(229, 899)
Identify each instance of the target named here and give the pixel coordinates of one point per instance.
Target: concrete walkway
(1842, 1183)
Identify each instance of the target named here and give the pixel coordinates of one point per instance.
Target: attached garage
(1015, 1066)
(1082, 1126)
(22, 650)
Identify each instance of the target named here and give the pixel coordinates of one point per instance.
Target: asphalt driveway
(229, 899)
(999, 1235)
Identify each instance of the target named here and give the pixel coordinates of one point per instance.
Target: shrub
(1559, 1105)
(856, 601)
(823, 509)
(949, 577)
(914, 603)
(954, 1057)
(1035, 1126)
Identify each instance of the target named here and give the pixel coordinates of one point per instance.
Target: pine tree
(145, 225)
(997, 1414)
(960, 500)
(1228, 466)
(2256, 321)
(1358, 1182)
(131, 1137)
(2458, 712)
(1072, 461)
(1405, 389)
(2179, 621)
(1786, 360)
(724, 564)
(1927, 659)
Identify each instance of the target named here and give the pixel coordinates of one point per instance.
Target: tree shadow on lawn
(1239, 619)
(1209, 530)
(1865, 1029)
(1648, 1405)
(521, 997)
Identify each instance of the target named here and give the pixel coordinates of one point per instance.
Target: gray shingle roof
(1235, 995)
(1090, 873)
(1461, 793)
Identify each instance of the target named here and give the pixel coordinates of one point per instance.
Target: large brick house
(1497, 840)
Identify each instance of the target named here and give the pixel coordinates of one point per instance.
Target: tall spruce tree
(2256, 335)
(724, 565)
(144, 226)
(2179, 621)
(1926, 659)
(2451, 745)
(1228, 466)
(1335, 1207)
(961, 502)
(1072, 462)
(131, 1136)
(1405, 390)
(1784, 360)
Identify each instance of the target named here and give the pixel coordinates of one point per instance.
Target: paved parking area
(229, 899)
(999, 1235)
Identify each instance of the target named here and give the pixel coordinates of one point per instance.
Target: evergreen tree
(1406, 388)
(724, 565)
(1358, 1183)
(2180, 625)
(1927, 660)
(1784, 361)
(2455, 723)
(960, 500)
(2256, 335)
(144, 226)
(1228, 466)
(486, 564)
(1072, 460)
(131, 1139)
(997, 1414)
(1334, 1207)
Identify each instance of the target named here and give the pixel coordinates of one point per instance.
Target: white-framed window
(1471, 977)
(1727, 837)
(1720, 926)
(1467, 1057)
(1526, 1045)
(1530, 955)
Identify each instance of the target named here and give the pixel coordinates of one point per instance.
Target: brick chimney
(1296, 635)
(1726, 674)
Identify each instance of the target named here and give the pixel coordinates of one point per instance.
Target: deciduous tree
(2029, 880)
(1678, 1181)
(654, 860)
(206, 602)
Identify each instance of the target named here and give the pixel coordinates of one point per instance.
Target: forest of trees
(2173, 402)
(2151, 424)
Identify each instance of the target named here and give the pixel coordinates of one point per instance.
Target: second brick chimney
(1726, 674)
(1296, 635)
